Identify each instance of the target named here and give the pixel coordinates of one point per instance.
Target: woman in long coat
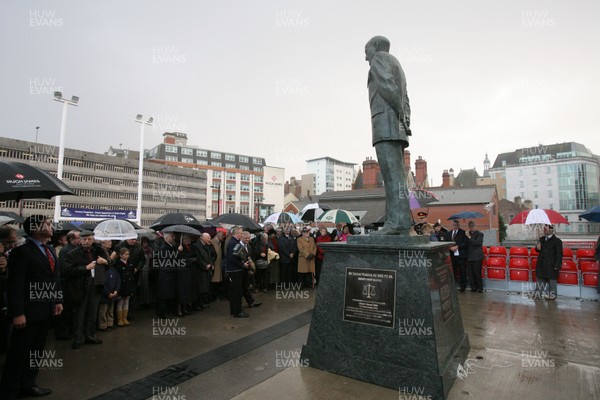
(216, 282)
(307, 250)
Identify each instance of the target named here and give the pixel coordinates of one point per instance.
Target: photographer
(307, 250)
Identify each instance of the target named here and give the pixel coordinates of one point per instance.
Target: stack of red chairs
(589, 273)
(568, 274)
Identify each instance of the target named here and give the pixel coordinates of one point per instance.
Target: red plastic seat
(590, 267)
(496, 262)
(533, 263)
(517, 251)
(533, 275)
(497, 251)
(585, 254)
(519, 275)
(567, 253)
(590, 279)
(496, 273)
(518, 263)
(569, 265)
(568, 278)
(533, 252)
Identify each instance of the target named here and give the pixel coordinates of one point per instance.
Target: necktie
(453, 234)
(50, 257)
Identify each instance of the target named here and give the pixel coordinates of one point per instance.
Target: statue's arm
(387, 87)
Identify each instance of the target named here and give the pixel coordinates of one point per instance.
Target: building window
(171, 149)
(202, 162)
(535, 195)
(245, 177)
(216, 174)
(229, 157)
(243, 159)
(201, 153)
(535, 182)
(549, 181)
(231, 197)
(245, 167)
(187, 151)
(230, 186)
(214, 154)
(216, 164)
(171, 158)
(187, 160)
(258, 178)
(521, 184)
(230, 176)
(230, 165)
(549, 194)
(257, 161)
(244, 188)
(244, 197)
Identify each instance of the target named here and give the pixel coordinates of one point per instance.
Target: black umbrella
(23, 181)
(64, 227)
(237, 219)
(188, 230)
(175, 219)
(592, 215)
(14, 216)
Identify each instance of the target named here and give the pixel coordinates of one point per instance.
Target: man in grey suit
(390, 121)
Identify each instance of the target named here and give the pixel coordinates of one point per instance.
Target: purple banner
(105, 214)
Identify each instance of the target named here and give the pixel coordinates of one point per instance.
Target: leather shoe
(92, 340)
(255, 304)
(242, 314)
(34, 391)
(76, 344)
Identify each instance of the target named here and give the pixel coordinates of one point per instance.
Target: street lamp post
(139, 119)
(37, 129)
(218, 187)
(61, 150)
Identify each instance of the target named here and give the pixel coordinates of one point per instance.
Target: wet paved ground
(520, 349)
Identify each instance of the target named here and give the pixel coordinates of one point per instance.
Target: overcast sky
(286, 80)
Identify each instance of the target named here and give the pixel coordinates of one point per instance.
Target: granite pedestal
(387, 312)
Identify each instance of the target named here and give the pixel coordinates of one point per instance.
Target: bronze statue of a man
(390, 121)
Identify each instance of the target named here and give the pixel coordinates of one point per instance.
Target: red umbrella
(539, 216)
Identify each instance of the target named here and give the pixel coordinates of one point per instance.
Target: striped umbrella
(337, 216)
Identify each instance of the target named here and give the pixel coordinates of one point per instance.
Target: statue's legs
(390, 155)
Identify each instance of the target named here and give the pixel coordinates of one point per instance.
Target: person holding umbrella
(549, 263)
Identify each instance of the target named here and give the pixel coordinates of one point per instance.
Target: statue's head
(377, 43)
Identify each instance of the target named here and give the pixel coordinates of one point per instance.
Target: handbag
(262, 264)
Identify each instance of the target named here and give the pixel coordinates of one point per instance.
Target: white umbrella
(115, 229)
(338, 215)
(282, 218)
(312, 211)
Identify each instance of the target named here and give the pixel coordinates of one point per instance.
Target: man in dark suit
(548, 264)
(458, 252)
(234, 267)
(85, 269)
(34, 297)
(474, 257)
(390, 121)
